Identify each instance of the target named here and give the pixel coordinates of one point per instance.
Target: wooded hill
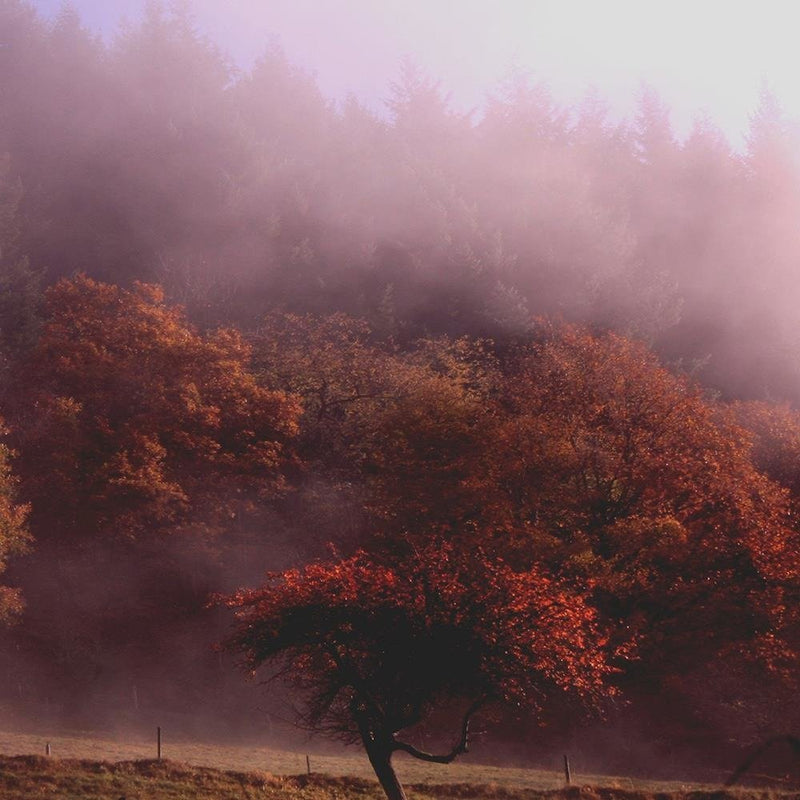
(239, 322)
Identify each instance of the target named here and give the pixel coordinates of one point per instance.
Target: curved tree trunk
(380, 757)
(380, 745)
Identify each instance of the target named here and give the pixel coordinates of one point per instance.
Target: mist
(263, 192)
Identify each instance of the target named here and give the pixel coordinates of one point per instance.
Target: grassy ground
(31, 777)
(280, 762)
(92, 768)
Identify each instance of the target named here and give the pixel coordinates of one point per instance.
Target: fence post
(567, 775)
(158, 738)
(47, 749)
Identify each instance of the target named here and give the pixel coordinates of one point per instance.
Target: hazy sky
(707, 55)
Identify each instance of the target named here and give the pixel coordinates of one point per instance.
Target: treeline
(157, 465)
(349, 345)
(151, 157)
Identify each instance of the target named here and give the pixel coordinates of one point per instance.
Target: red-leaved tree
(376, 647)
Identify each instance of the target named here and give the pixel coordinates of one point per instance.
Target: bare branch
(792, 741)
(461, 746)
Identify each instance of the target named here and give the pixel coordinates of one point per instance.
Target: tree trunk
(380, 756)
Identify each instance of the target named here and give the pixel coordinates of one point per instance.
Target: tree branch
(792, 741)
(461, 746)
(350, 676)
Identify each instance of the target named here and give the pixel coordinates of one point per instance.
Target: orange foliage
(614, 471)
(776, 441)
(396, 434)
(587, 456)
(14, 536)
(142, 422)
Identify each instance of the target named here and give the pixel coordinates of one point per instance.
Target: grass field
(31, 777)
(93, 768)
(283, 762)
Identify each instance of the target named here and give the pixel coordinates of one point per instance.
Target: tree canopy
(15, 538)
(376, 647)
(141, 421)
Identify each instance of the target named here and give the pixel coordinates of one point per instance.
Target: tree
(770, 158)
(331, 365)
(586, 455)
(422, 450)
(776, 440)
(654, 140)
(599, 434)
(144, 449)
(19, 284)
(386, 432)
(141, 423)
(611, 470)
(14, 535)
(377, 646)
(567, 237)
(420, 112)
(590, 457)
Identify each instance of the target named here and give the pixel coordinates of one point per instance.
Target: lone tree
(376, 647)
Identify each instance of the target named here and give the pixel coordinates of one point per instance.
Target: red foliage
(396, 639)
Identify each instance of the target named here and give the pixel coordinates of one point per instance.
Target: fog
(455, 194)
(708, 59)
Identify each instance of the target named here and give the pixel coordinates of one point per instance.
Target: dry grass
(31, 777)
(192, 771)
(283, 762)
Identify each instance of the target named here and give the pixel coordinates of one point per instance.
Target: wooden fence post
(567, 775)
(158, 737)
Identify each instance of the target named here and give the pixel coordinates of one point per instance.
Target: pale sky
(702, 55)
